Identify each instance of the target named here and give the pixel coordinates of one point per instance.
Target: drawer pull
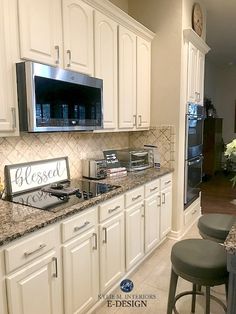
(57, 48)
(194, 212)
(105, 233)
(136, 197)
(95, 247)
(167, 182)
(153, 189)
(36, 250)
(55, 275)
(113, 209)
(159, 201)
(164, 198)
(81, 227)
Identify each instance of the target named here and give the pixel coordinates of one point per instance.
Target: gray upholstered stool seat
(200, 261)
(215, 226)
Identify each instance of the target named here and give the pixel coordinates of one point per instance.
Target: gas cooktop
(61, 195)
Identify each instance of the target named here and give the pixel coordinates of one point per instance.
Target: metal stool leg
(172, 291)
(207, 308)
(194, 298)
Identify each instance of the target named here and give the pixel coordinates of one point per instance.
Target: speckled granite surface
(18, 220)
(230, 242)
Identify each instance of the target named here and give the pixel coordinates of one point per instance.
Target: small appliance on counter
(94, 168)
(135, 158)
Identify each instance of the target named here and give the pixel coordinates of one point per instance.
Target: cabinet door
(106, 66)
(80, 266)
(111, 251)
(8, 57)
(40, 30)
(200, 77)
(78, 36)
(127, 78)
(134, 235)
(166, 211)
(143, 83)
(192, 68)
(152, 221)
(35, 288)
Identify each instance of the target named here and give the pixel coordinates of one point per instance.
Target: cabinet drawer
(111, 207)
(134, 196)
(152, 187)
(191, 215)
(21, 253)
(166, 181)
(78, 224)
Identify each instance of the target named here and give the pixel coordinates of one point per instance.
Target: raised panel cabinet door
(81, 277)
(40, 28)
(192, 68)
(106, 66)
(36, 288)
(143, 83)
(152, 222)
(127, 79)
(166, 211)
(134, 235)
(78, 36)
(200, 77)
(112, 255)
(8, 57)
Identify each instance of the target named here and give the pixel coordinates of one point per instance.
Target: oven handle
(140, 154)
(196, 161)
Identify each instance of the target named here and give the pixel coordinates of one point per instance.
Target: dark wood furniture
(212, 146)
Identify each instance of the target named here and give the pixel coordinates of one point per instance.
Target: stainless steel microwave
(52, 99)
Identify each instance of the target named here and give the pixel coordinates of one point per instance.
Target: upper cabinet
(78, 36)
(8, 55)
(196, 50)
(40, 31)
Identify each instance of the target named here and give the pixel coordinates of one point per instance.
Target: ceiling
(221, 31)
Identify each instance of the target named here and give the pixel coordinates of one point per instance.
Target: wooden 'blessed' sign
(27, 176)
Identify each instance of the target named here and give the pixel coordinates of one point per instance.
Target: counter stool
(215, 227)
(201, 262)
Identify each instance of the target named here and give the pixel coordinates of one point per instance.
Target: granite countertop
(230, 242)
(18, 220)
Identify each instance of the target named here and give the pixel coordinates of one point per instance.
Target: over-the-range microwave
(52, 99)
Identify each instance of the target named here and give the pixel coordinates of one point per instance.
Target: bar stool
(215, 227)
(201, 262)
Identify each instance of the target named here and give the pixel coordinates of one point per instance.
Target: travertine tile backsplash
(30, 147)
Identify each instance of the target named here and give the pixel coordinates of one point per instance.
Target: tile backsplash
(30, 147)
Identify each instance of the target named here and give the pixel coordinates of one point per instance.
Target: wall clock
(197, 19)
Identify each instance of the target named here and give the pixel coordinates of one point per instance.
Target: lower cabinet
(112, 251)
(36, 287)
(81, 275)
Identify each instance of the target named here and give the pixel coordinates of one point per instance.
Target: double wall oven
(193, 152)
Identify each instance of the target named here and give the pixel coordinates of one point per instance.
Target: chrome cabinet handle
(55, 275)
(41, 246)
(81, 227)
(194, 212)
(136, 197)
(153, 189)
(95, 247)
(13, 113)
(164, 198)
(140, 120)
(105, 233)
(113, 209)
(167, 182)
(134, 116)
(69, 54)
(159, 203)
(58, 54)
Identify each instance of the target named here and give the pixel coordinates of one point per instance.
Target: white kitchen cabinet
(81, 272)
(106, 66)
(143, 83)
(40, 29)
(112, 249)
(166, 205)
(8, 57)
(78, 36)
(127, 79)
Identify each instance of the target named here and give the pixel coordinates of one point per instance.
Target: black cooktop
(61, 195)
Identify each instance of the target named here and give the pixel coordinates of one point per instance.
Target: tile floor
(152, 278)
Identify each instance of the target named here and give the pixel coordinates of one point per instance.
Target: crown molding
(190, 35)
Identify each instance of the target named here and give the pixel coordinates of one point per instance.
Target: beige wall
(122, 4)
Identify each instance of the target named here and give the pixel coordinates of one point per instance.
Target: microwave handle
(140, 154)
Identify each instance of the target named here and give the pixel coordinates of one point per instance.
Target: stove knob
(79, 194)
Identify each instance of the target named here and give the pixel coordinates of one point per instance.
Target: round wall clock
(197, 19)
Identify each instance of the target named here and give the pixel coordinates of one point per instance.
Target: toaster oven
(94, 168)
(135, 158)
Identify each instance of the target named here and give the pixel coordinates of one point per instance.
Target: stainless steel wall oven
(193, 152)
